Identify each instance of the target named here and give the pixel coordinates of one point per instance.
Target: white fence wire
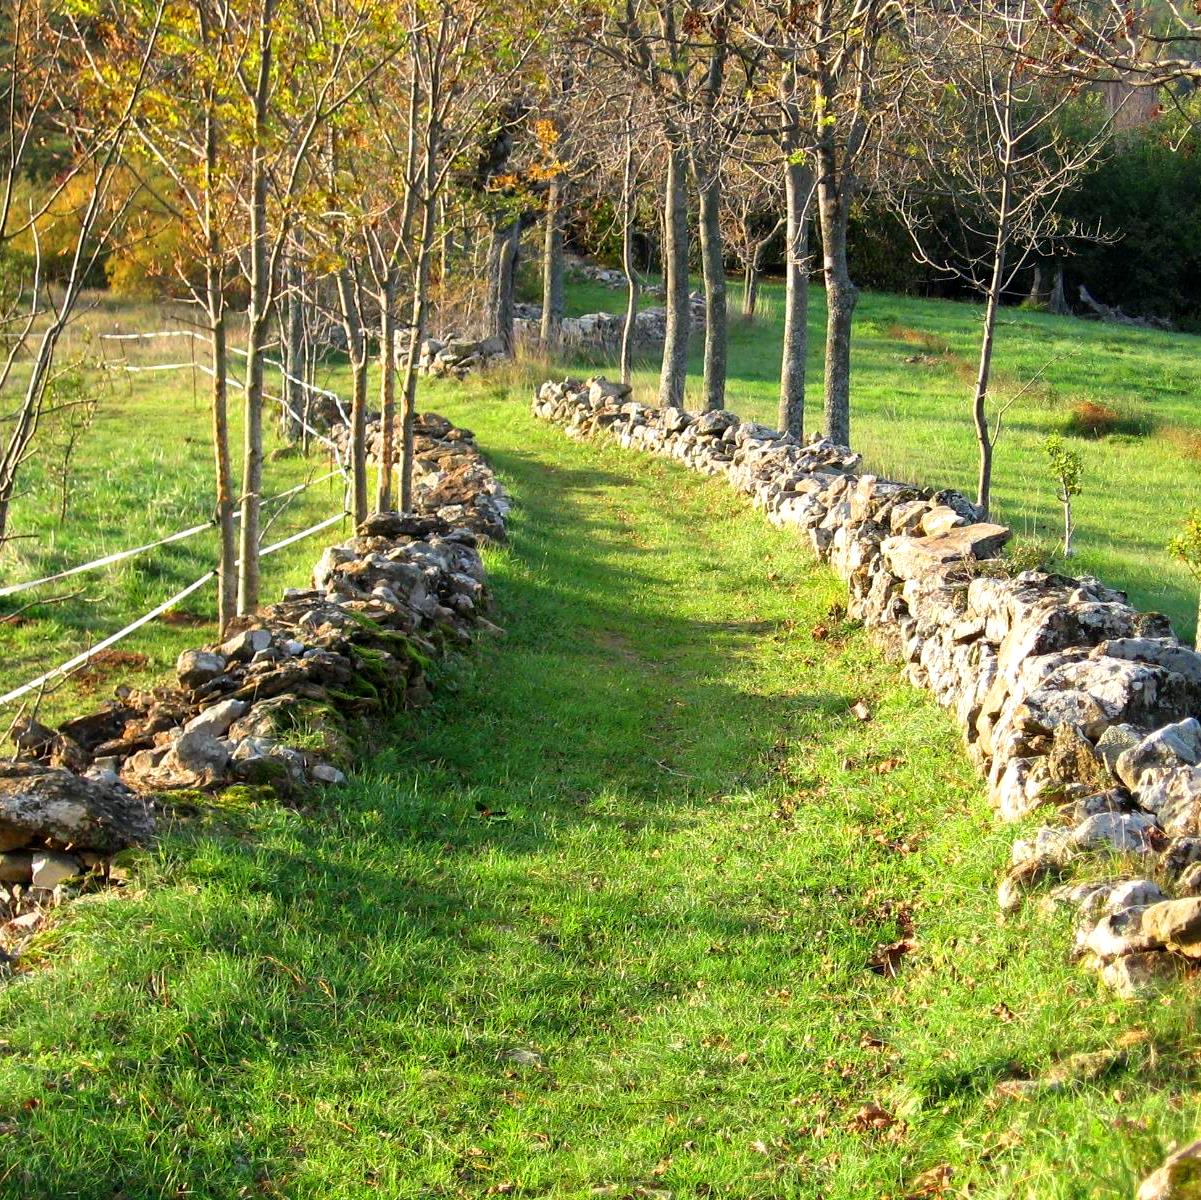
(81, 659)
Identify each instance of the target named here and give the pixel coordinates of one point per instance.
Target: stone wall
(1072, 704)
(275, 704)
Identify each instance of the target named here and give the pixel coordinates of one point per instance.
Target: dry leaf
(887, 957)
(933, 1182)
(860, 711)
(871, 1118)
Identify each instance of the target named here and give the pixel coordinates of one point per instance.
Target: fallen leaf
(870, 1118)
(860, 711)
(887, 957)
(933, 1182)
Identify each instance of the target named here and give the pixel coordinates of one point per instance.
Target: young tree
(752, 217)
(1066, 467)
(1185, 547)
(53, 71)
(787, 37)
(181, 131)
(849, 85)
(302, 64)
(992, 139)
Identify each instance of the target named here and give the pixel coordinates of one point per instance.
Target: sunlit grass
(641, 839)
(914, 362)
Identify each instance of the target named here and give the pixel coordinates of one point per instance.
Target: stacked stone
(603, 330)
(273, 704)
(455, 357)
(608, 276)
(1070, 700)
(451, 478)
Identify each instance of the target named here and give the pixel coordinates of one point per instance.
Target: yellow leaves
(546, 134)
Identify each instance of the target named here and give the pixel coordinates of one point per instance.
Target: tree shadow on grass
(364, 937)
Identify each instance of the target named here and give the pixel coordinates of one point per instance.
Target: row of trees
(355, 162)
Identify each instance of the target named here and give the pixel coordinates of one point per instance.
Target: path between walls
(643, 907)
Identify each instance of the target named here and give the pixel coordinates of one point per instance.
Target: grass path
(600, 922)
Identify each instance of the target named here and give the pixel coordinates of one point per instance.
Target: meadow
(914, 364)
(144, 468)
(638, 909)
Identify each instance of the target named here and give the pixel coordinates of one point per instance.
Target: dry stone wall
(274, 704)
(1072, 704)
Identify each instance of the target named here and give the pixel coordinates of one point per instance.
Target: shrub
(1092, 419)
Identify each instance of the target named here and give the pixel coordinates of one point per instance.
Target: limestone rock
(197, 667)
(1123, 832)
(46, 802)
(1174, 745)
(1178, 1179)
(1175, 796)
(1177, 924)
(49, 868)
(914, 557)
(1134, 976)
(218, 718)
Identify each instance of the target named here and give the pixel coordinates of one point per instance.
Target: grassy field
(914, 362)
(614, 918)
(143, 470)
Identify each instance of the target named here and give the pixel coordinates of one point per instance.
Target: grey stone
(940, 520)
(1123, 832)
(1135, 976)
(1173, 745)
(914, 558)
(1176, 924)
(323, 772)
(198, 752)
(1164, 652)
(1175, 796)
(217, 719)
(50, 868)
(197, 667)
(244, 646)
(1117, 934)
(1114, 742)
(48, 802)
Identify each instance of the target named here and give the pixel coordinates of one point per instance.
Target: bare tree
(52, 65)
(752, 218)
(985, 134)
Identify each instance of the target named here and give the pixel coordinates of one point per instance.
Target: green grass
(911, 421)
(641, 836)
(145, 467)
(142, 471)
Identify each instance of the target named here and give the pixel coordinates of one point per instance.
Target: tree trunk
(260, 304)
(293, 354)
(713, 267)
(227, 574)
(980, 396)
(506, 240)
(356, 348)
(1037, 296)
(798, 190)
(227, 553)
(674, 371)
(834, 210)
(629, 328)
(1058, 302)
(387, 388)
(417, 317)
(552, 266)
(750, 285)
